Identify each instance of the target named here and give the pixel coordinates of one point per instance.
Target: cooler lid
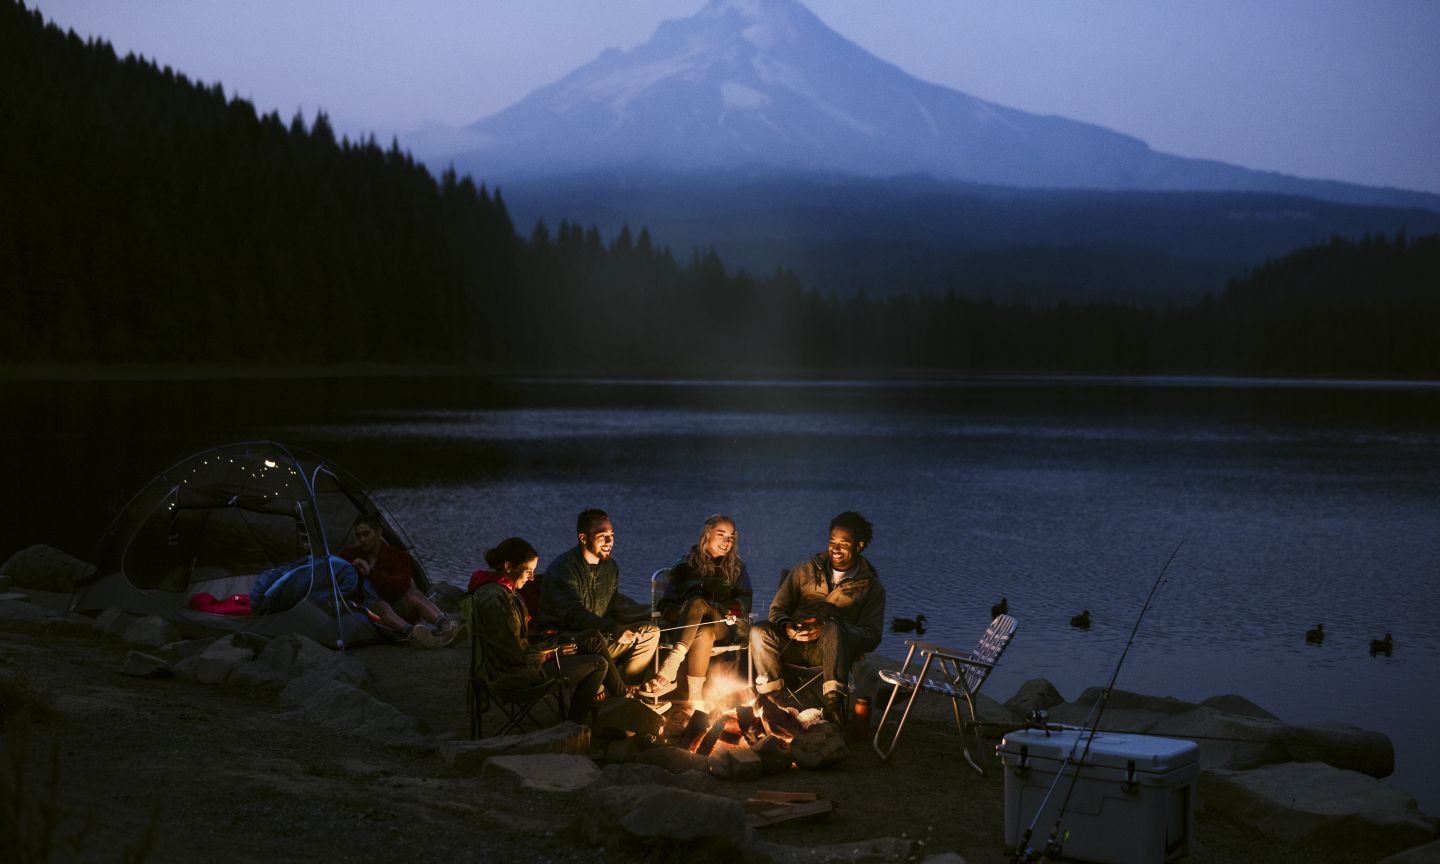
(1150, 753)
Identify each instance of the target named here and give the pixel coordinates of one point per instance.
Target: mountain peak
(746, 84)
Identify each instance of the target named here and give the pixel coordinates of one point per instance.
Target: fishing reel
(1037, 718)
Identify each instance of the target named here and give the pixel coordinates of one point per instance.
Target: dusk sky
(1339, 89)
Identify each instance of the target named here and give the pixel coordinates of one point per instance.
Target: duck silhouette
(914, 625)
(1082, 620)
(999, 609)
(1382, 646)
(1315, 635)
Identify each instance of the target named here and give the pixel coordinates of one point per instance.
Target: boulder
(1316, 806)
(138, 665)
(152, 630)
(1237, 705)
(1427, 854)
(636, 774)
(45, 568)
(292, 654)
(22, 611)
(351, 711)
(216, 662)
(820, 746)
(617, 718)
(674, 760)
(994, 717)
(663, 819)
(345, 668)
(183, 648)
(1035, 694)
(541, 772)
(113, 621)
(447, 597)
(469, 757)
(622, 750)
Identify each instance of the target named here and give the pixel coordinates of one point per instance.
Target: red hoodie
(485, 577)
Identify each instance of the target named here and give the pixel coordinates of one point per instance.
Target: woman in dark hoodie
(510, 659)
(708, 592)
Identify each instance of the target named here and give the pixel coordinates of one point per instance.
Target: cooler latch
(1129, 785)
(1023, 766)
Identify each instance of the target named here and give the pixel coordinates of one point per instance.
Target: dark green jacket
(575, 595)
(508, 658)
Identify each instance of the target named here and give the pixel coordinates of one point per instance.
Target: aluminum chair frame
(959, 676)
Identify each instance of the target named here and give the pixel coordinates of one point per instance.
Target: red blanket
(235, 604)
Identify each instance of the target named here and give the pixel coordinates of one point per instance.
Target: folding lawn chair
(948, 673)
(517, 704)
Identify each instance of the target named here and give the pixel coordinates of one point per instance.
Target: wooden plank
(774, 795)
(815, 811)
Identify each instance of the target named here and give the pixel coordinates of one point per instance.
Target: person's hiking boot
(421, 636)
(453, 632)
(837, 708)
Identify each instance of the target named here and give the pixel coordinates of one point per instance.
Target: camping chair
(954, 675)
(658, 580)
(518, 704)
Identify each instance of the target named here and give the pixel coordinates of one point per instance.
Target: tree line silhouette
(148, 218)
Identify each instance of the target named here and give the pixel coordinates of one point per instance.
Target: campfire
(732, 714)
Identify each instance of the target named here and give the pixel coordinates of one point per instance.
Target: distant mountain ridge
(765, 84)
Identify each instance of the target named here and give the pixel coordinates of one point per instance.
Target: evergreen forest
(147, 218)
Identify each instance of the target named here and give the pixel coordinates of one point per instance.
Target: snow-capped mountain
(765, 84)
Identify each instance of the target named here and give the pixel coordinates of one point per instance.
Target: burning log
(707, 744)
(774, 755)
(699, 724)
(778, 720)
(745, 719)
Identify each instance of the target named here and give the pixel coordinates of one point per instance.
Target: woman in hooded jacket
(709, 593)
(510, 659)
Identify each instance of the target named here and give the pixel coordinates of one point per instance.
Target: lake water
(1298, 503)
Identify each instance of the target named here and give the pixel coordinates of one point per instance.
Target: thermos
(860, 720)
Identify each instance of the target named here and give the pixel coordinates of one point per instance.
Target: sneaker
(657, 707)
(453, 635)
(424, 637)
(655, 688)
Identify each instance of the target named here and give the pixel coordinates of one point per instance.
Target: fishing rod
(1053, 844)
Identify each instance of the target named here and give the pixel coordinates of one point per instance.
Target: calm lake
(1298, 503)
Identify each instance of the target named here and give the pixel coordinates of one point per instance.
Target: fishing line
(1092, 722)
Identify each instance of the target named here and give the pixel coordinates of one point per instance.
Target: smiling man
(829, 610)
(581, 591)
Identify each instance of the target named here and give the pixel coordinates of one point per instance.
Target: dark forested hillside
(145, 217)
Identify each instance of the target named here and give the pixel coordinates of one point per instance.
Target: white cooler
(1134, 799)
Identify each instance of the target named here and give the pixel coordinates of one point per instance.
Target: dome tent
(216, 520)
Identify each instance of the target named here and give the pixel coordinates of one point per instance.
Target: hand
(808, 631)
(566, 648)
(626, 638)
(730, 619)
(361, 566)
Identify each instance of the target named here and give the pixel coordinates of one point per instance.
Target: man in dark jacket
(581, 591)
(829, 610)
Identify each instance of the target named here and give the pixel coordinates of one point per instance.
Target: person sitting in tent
(502, 623)
(390, 588)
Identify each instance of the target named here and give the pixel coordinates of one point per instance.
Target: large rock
(636, 774)
(820, 746)
(113, 621)
(674, 760)
(345, 668)
(283, 659)
(1035, 694)
(1236, 734)
(216, 662)
(351, 711)
(1314, 805)
(618, 718)
(541, 772)
(138, 665)
(735, 763)
(662, 818)
(469, 757)
(45, 568)
(152, 631)
(23, 611)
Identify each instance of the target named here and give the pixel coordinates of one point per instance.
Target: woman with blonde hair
(709, 593)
